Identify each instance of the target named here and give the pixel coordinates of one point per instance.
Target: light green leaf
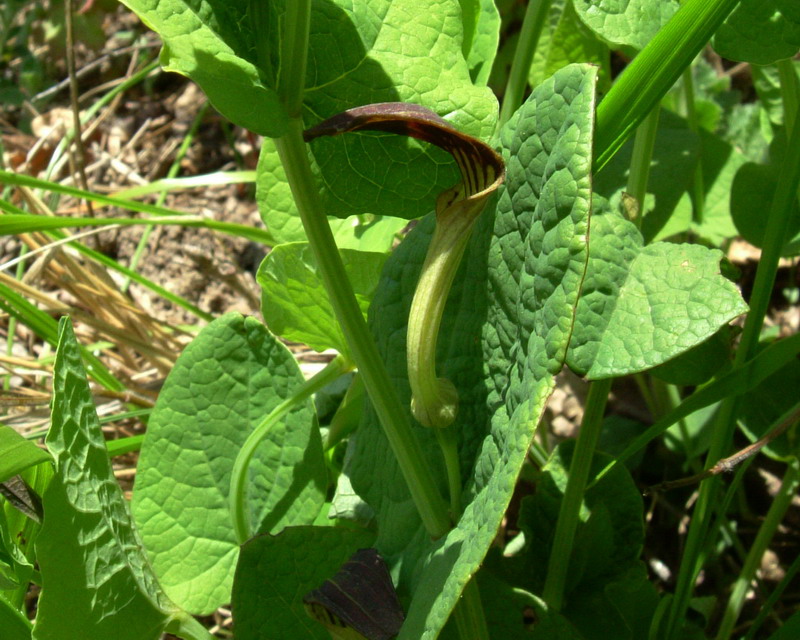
(381, 51)
(565, 40)
(641, 306)
(760, 31)
(97, 583)
(284, 225)
(626, 22)
(294, 303)
(17, 453)
(275, 572)
(503, 337)
(223, 384)
(214, 42)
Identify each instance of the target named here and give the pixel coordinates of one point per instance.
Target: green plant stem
(790, 91)
(766, 531)
(790, 94)
(12, 322)
(775, 232)
(734, 383)
(22, 223)
(469, 614)
(531, 29)
(698, 193)
(239, 474)
(642, 383)
(448, 443)
(391, 413)
(642, 155)
(569, 513)
(774, 235)
(654, 71)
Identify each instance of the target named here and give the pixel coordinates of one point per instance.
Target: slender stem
(238, 493)
(88, 114)
(448, 443)
(767, 530)
(790, 94)
(518, 77)
(174, 168)
(391, 413)
(774, 234)
(569, 513)
(643, 145)
(73, 97)
(699, 193)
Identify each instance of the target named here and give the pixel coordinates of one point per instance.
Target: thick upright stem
(294, 157)
(391, 413)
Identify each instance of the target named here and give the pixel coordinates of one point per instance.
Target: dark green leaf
(275, 572)
(96, 581)
(751, 197)
(760, 31)
(608, 594)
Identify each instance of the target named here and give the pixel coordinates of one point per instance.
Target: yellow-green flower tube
(434, 401)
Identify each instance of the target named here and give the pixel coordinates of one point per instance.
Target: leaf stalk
(239, 474)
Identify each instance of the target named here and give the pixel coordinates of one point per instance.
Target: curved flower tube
(434, 400)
